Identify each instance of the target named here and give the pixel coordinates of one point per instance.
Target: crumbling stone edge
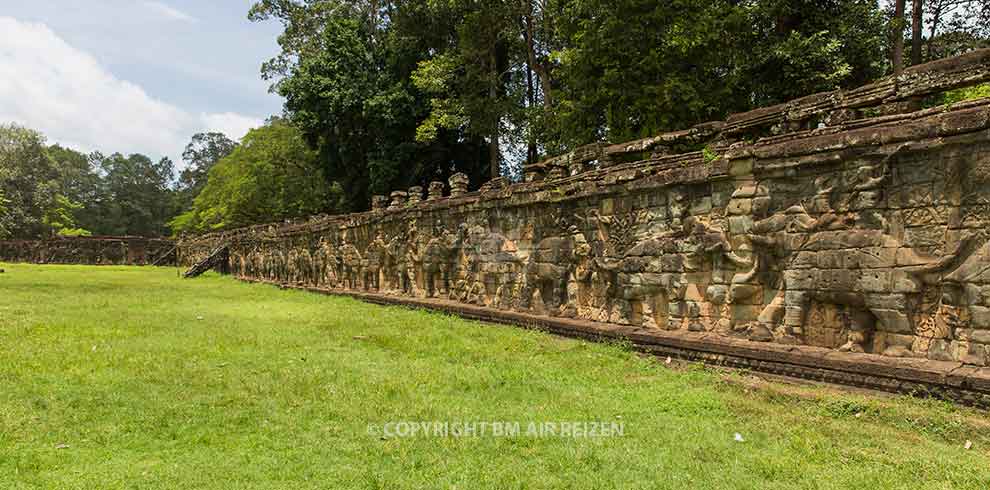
(951, 381)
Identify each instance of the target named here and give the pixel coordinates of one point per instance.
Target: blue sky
(134, 75)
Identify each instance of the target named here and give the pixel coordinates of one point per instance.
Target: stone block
(981, 336)
(741, 167)
(894, 322)
(805, 260)
(740, 224)
(971, 353)
(941, 350)
(980, 317)
(398, 200)
(831, 259)
(718, 294)
(743, 314)
(458, 184)
(804, 280)
(871, 258)
(415, 194)
(379, 203)
(875, 281)
(746, 294)
(701, 206)
(435, 191)
(744, 191)
(907, 256)
(887, 301)
(902, 282)
(740, 206)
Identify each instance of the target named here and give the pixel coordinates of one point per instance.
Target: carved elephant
(664, 278)
(874, 276)
(548, 271)
(438, 261)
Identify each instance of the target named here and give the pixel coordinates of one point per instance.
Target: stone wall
(850, 220)
(90, 251)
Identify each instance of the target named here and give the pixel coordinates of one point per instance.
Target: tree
(4, 233)
(28, 182)
(393, 93)
(82, 187)
(138, 197)
(897, 33)
(61, 219)
(633, 68)
(271, 176)
(953, 27)
(916, 36)
(200, 155)
(345, 73)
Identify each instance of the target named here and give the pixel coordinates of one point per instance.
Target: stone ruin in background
(91, 251)
(851, 220)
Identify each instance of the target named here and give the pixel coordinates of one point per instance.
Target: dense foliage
(271, 176)
(53, 190)
(28, 182)
(398, 92)
(200, 155)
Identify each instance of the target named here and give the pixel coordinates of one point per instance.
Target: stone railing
(90, 251)
(850, 221)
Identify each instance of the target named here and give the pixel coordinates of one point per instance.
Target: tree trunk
(916, 18)
(494, 169)
(897, 29)
(542, 71)
(531, 151)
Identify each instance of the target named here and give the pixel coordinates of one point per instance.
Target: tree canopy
(200, 155)
(273, 175)
(393, 93)
(53, 190)
(29, 182)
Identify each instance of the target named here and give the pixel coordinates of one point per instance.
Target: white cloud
(65, 93)
(168, 12)
(229, 123)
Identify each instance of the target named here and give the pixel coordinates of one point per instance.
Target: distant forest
(383, 95)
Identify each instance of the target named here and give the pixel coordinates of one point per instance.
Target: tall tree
(632, 68)
(897, 36)
(200, 155)
(139, 198)
(28, 182)
(4, 233)
(344, 71)
(916, 31)
(81, 185)
(272, 176)
(397, 92)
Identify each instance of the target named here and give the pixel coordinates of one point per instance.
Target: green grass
(122, 377)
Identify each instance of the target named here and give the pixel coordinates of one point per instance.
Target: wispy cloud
(67, 94)
(169, 12)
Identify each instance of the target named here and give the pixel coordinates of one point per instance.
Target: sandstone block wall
(852, 220)
(90, 251)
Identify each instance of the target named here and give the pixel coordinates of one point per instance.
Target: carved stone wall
(90, 251)
(855, 221)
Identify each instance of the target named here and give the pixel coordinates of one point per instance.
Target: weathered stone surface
(458, 185)
(415, 195)
(435, 191)
(91, 251)
(868, 235)
(379, 203)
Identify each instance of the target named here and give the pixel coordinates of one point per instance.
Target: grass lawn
(120, 377)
